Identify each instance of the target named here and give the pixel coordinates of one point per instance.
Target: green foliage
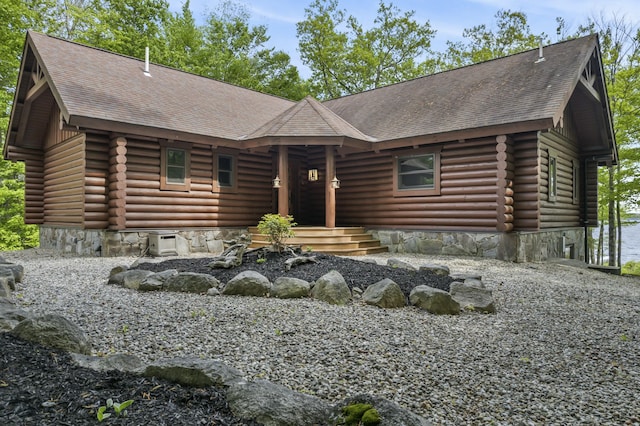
(360, 414)
(120, 408)
(14, 234)
(277, 229)
(345, 58)
(631, 268)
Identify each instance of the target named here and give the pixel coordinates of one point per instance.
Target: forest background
(343, 57)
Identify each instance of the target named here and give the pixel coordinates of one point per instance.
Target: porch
(345, 241)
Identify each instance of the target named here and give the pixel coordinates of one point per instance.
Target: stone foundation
(512, 246)
(83, 242)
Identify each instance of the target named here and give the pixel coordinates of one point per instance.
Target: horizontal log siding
(591, 192)
(149, 207)
(468, 198)
(64, 171)
(526, 183)
(563, 212)
(96, 212)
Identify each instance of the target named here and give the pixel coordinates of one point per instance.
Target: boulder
(16, 270)
(117, 269)
(434, 300)
(397, 263)
(190, 282)
(156, 281)
(230, 257)
(55, 331)
(290, 288)
(436, 269)
(332, 288)
(384, 294)
(473, 296)
(275, 405)
(11, 314)
(121, 362)
(132, 278)
(248, 283)
(391, 414)
(7, 281)
(191, 371)
(466, 276)
(117, 278)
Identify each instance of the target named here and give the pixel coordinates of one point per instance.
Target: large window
(553, 175)
(417, 174)
(175, 167)
(225, 173)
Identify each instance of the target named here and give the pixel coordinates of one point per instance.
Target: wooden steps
(345, 241)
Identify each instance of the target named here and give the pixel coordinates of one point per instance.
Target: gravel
(564, 347)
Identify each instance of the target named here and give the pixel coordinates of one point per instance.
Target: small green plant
(277, 229)
(360, 414)
(120, 408)
(198, 313)
(624, 338)
(261, 260)
(631, 268)
(124, 329)
(308, 249)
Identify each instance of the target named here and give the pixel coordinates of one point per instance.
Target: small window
(576, 181)
(225, 173)
(175, 167)
(417, 174)
(553, 176)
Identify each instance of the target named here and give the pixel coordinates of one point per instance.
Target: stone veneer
(512, 246)
(89, 242)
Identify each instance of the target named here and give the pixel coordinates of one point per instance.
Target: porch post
(283, 173)
(330, 192)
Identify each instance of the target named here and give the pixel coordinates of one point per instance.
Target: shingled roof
(513, 89)
(92, 85)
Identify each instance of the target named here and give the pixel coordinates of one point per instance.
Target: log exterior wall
(564, 211)
(468, 199)
(96, 201)
(526, 182)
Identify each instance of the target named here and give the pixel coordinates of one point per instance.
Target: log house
(497, 159)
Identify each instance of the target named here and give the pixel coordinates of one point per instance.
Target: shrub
(631, 268)
(277, 229)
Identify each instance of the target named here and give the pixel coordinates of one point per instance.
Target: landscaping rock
(467, 276)
(156, 281)
(55, 331)
(274, 405)
(433, 300)
(397, 263)
(436, 269)
(16, 270)
(473, 296)
(121, 362)
(332, 288)
(118, 269)
(290, 288)
(248, 283)
(190, 371)
(11, 314)
(133, 278)
(384, 294)
(117, 278)
(5, 288)
(230, 257)
(190, 282)
(391, 414)
(7, 282)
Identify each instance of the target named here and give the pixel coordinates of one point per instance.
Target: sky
(449, 17)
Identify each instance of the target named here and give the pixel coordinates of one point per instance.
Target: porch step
(345, 241)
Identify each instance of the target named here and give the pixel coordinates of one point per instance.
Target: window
(225, 173)
(553, 176)
(417, 174)
(175, 168)
(576, 181)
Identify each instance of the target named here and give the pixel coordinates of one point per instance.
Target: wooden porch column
(117, 183)
(330, 192)
(283, 174)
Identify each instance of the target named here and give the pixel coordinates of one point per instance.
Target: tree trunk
(600, 244)
(612, 221)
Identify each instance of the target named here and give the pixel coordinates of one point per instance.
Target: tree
(345, 58)
(512, 34)
(620, 186)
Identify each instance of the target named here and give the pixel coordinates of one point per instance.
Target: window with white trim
(553, 176)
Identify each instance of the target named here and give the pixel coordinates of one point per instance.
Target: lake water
(630, 242)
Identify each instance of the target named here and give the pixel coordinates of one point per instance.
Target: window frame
(413, 192)
(576, 181)
(233, 155)
(165, 184)
(552, 176)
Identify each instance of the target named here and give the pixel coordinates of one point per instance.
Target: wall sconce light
(276, 182)
(313, 175)
(335, 183)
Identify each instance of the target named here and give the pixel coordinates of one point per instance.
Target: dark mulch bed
(42, 386)
(356, 273)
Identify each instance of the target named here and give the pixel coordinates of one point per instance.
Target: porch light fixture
(313, 175)
(335, 183)
(276, 182)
